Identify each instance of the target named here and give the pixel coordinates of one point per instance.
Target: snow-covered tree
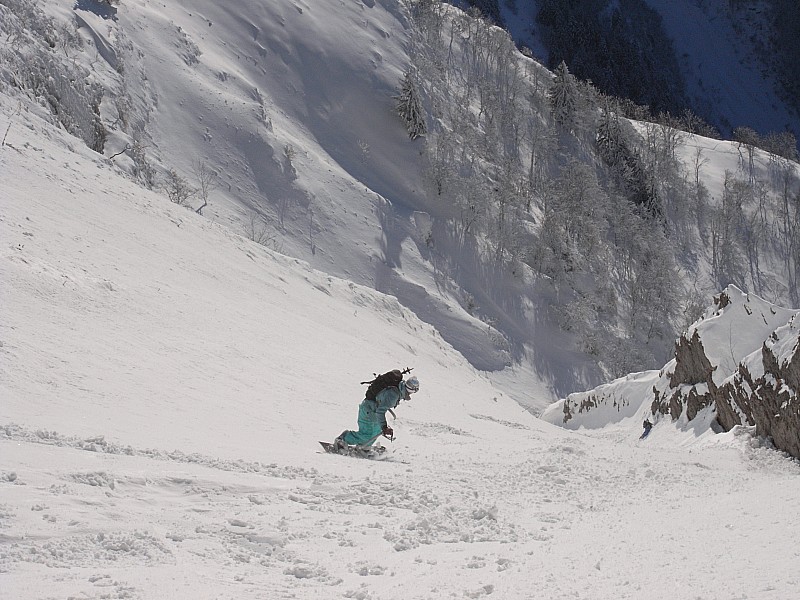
(727, 260)
(55, 80)
(563, 95)
(178, 190)
(207, 180)
(409, 107)
(610, 142)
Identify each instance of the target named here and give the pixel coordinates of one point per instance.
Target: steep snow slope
(722, 73)
(292, 104)
(234, 85)
(163, 383)
(297, 118)
(724, 79)
(122, 291)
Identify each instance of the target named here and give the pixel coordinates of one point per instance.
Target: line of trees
(542, 172)
(512, 166)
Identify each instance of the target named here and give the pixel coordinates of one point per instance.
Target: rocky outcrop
(583, 404)
(691, 363)
(741, 360)
(691, 385)
(761, 390)
(769, 402)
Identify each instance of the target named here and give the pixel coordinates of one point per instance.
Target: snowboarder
(647, 427)
(372, 416)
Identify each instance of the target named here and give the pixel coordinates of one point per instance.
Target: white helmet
(412, 384)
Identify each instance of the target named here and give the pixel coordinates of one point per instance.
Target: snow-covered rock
(741, 360)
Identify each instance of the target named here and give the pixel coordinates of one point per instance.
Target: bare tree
(748, 138)
(256, 229)
(699, 163)
(11, 120)
(289, 154)
(178, 189)
(143, 170)
(207, 181)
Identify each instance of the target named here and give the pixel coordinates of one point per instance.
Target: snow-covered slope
(234, 85)
(163, 384)
(725, 79)
(291, 104)
(146, 287)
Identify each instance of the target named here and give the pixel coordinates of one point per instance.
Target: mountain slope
(298, 124)
(726, 79)
(163, 385)
(723, 65)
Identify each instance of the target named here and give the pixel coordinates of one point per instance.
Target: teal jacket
(386, 399)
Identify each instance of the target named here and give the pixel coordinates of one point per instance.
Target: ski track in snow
(360, 529)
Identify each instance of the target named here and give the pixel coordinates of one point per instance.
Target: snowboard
(356, 451)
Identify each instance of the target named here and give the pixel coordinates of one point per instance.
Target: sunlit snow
(164, 382)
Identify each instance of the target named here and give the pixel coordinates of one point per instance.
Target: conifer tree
(410, 108)
(563, 95)
(610, 143)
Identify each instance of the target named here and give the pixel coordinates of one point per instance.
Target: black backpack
(381, 382)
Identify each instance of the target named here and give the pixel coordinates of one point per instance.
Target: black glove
(388, 432)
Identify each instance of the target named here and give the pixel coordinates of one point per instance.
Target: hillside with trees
(622, 49)
(621, 221)
(733, 64)
(554, 234)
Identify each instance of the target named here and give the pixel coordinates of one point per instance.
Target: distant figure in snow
(647, 427)
(372, 410)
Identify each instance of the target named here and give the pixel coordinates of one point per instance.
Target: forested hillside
(554, 234)
(626, 225)
(786, 17)
(731, 64)
(622, 48)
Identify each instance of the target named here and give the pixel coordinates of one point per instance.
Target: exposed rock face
(769, 402)
(585, 405)
(741, 359)
(692, 367)
(691, 363)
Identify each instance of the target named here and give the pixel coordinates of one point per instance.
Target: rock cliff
(761, 391)
(741, 360)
